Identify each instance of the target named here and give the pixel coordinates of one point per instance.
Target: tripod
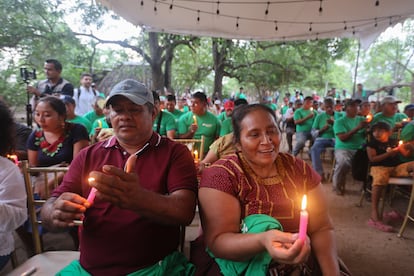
(29, 111)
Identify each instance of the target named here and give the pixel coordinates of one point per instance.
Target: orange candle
(195, 119)
(196, 156)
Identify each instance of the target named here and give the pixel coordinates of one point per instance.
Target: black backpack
(359, 165)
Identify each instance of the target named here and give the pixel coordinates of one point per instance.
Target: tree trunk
(169, 55)
(156, 61)
(219, 51)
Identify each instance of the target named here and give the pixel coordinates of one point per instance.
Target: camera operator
(54, 84)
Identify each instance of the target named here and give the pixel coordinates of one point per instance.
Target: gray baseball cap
(135, 91)
(389, 99)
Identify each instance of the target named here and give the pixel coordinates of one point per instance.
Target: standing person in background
(240, 94)
(362, 94)
(13, 210)
(84, 95)
(199, 122)
(54, 84)
(304, 118)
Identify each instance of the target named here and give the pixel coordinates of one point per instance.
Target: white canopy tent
(266, 20)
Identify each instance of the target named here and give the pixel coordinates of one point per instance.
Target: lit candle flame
(400, 143)
(405, 120)
(311, 109)
(369, 118)
(90, 179)
(195, 155)
(304, 202)
(14, 158)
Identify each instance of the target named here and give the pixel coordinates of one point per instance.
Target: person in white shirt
(84, 95)
(13, 210)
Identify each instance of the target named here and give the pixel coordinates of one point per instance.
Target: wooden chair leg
(407, 214)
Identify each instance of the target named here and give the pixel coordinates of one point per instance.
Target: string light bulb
(172, 4)
(142, 3)
(218, 8)
(267, 8)
(345, 27)
(276, 27)
(310, 27)
(237, 23)
(155, 6)
(377, 3)
(376, 23)
(320, 6)
(390, 20)
(198, 16)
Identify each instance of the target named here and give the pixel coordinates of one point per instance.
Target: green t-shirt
(91, 116)
(101, 123)
(222, 116)
(344, 125)
(301, 113)
(272, 106)
(284, 109)
(82, 121)
(177, 114)
(226, 127)
(397, 118)
(320, 121)
(208, 126)
(167, 123)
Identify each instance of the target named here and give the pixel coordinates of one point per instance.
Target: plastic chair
(44, 263)
(408, 216)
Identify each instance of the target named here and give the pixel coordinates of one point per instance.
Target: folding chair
(193, 145)
(45, 263)
(408, 215)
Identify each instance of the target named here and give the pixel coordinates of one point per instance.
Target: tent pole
(356, 68)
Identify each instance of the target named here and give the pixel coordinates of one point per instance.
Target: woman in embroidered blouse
(55, 141)
(257, 179)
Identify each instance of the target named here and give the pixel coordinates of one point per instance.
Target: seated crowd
(249, 192)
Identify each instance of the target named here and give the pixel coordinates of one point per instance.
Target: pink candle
(303, 224)
(92, 193)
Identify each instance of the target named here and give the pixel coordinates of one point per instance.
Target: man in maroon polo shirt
(135, 219)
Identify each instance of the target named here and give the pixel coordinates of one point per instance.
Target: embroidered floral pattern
(49, 149)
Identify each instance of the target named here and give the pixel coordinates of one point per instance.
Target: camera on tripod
(27, 75)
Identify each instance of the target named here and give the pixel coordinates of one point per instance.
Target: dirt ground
(364, 250)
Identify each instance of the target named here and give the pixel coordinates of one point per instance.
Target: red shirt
(279, 196)
(116, 241)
